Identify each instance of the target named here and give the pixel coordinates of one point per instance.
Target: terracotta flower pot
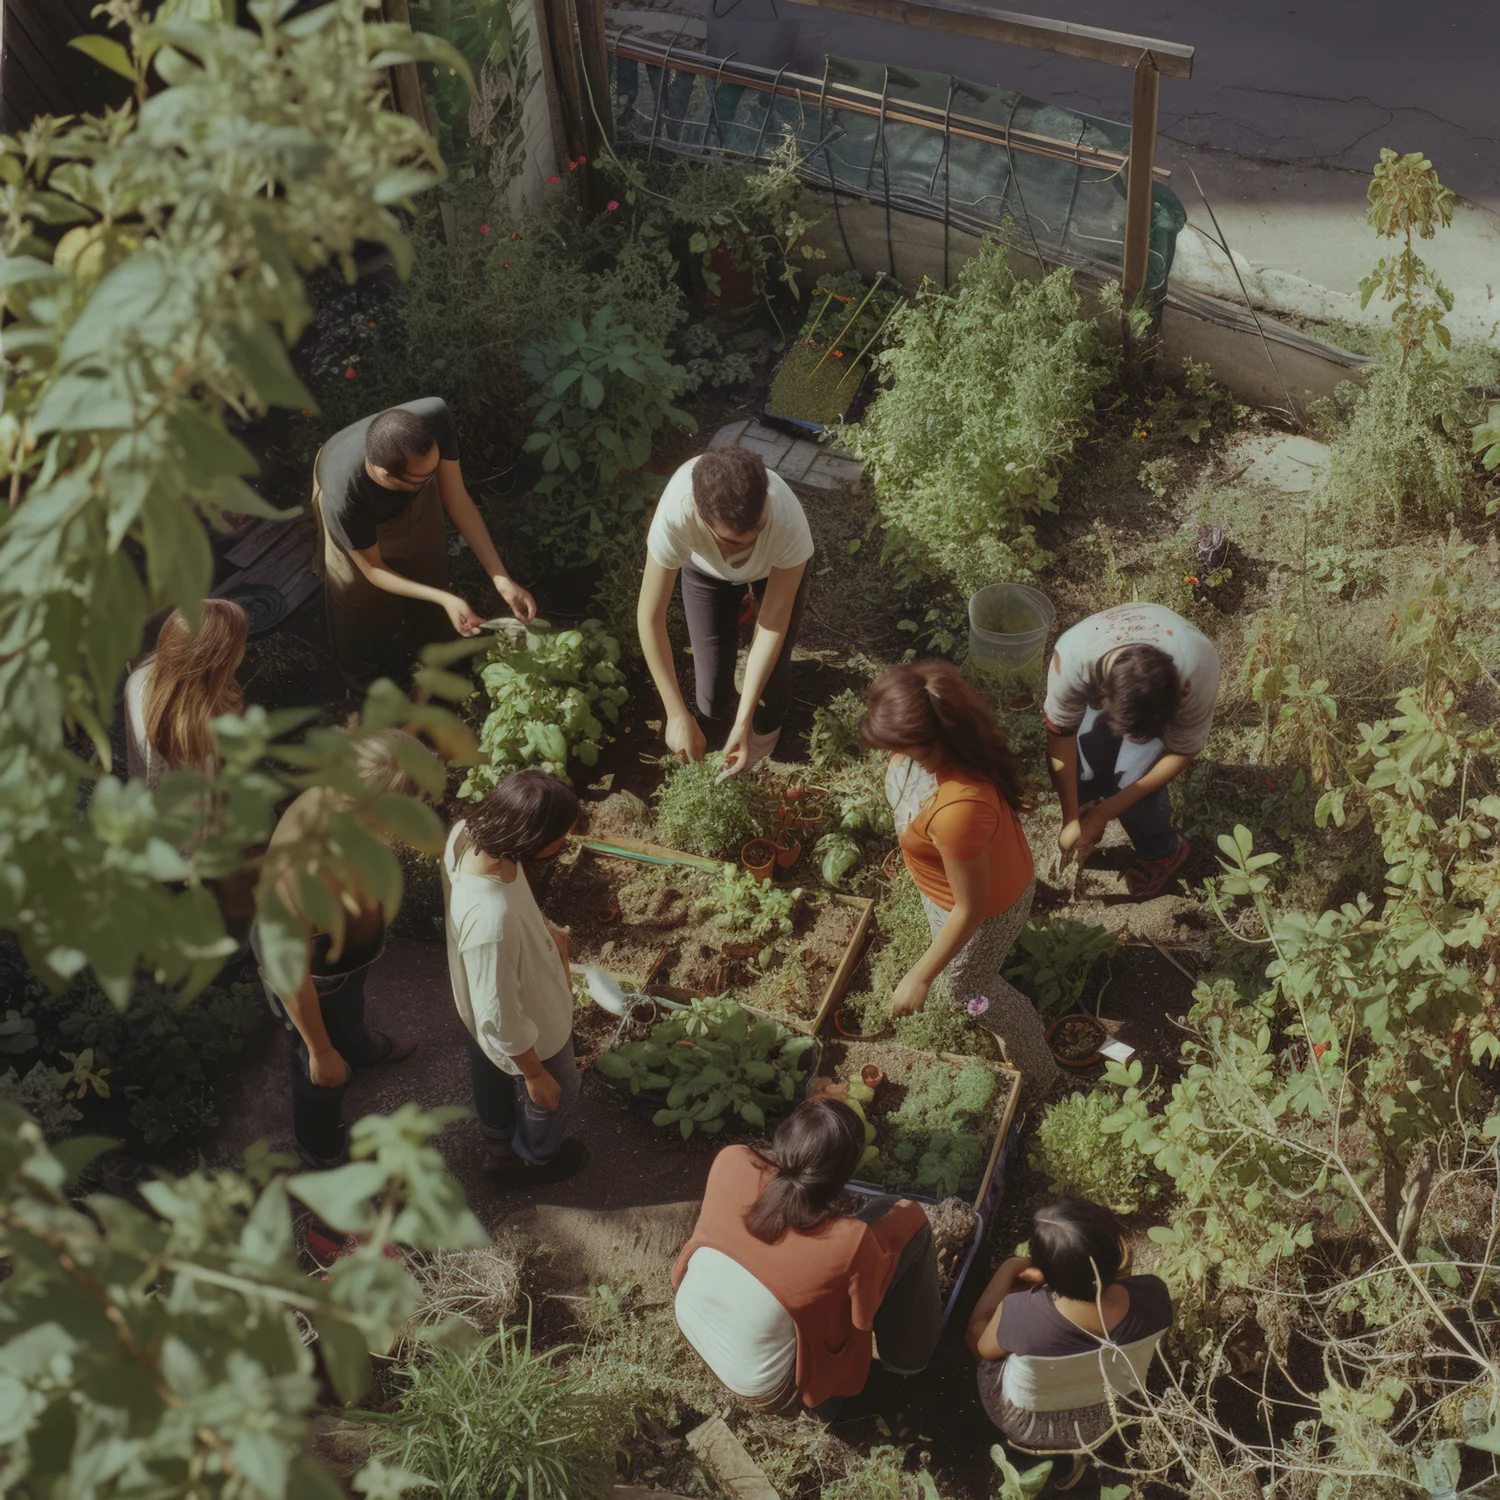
(813, 817)
(1075, 1039)
(788, 852)
(872, 1075)
(758, 856)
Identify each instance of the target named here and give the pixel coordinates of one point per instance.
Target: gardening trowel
(608, 992)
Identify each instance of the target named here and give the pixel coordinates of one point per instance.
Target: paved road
(1320, 82)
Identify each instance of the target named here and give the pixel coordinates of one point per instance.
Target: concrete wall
(1261, 366)
(536, 151)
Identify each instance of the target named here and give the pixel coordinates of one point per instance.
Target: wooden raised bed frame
(640, 850)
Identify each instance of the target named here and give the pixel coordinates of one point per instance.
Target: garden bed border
(620, 847)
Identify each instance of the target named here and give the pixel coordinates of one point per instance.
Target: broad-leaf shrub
(166, 1348)
(247, 158)
(1072, 1148)
(698, 813)
(988, 388)
(549, 699)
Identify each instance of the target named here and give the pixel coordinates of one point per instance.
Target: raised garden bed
(906, 1070)
(630, 907)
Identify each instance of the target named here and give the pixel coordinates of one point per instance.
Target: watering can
(611, 995)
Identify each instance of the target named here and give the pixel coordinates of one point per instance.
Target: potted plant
(759, 856)
(788, 851)
(813, 816)
(1075, 1039)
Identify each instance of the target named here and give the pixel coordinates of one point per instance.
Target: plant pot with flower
(759, 857)
(1075, 1039)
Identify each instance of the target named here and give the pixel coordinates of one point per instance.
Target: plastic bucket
(1008, 624)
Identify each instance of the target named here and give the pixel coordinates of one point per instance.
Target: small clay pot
(872, 1075)
(788, 852)
(609, 911)
(813, 817)
(1066, 1038)
(759, 856)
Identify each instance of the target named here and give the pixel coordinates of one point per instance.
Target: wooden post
(599, 114)
(1140, 177)
(405, 83)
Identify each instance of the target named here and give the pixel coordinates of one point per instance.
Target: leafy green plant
(17, 1033)
(183, 1325)
(548, 700)
(1016, 1484)
(709, 363)
(1159, 475)
(42, 1092)
(1070, 1146)
(170, 1057)
(153, 276)
(744, 903)
(990, 385)
(504, 1418)
(833, 741)
(700, 814)
(1055, 963)
(838, 854)
(939, 1137)
(736, 1064)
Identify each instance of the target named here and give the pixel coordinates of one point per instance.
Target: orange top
(966, 818)
(831, 1281)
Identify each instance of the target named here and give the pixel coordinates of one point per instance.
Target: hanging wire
(1020, 195)
(833, 186)
(885, 169)
(947, 165)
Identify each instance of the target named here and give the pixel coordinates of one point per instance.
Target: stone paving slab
(796, 460)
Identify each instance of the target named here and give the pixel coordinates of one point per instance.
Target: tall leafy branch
(151, 268)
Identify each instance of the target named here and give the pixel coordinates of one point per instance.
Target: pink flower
(612, 205)
(550, 181)
(484, 229)
(979, 1004)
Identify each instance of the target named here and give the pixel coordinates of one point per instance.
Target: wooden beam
(599, 120)
(971, 18)
(405, 84)
(1138, 183)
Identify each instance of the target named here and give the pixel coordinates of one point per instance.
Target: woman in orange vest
(956, 789)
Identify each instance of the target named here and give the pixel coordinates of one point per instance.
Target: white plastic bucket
(1008, 624)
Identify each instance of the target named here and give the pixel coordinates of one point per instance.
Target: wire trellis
(984, 160)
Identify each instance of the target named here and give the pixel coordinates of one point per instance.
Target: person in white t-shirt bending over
(508, 966)
(1130, 701)
(724, 523)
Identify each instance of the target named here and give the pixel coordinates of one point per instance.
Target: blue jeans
(506, 1112)
(1107, 764)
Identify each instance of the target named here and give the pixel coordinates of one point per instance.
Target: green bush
(503, 1420)
(990, 385)
(169, 1058)
(699, 814)
(546, 700)
(1082, 1161)
(1393, 462)
(1056, 960)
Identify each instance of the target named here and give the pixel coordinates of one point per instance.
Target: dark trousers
(1149, 821)
(712, 607)
(505, 1110)
(318, 1111)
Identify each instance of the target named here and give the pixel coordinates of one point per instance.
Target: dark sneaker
(1148, 877)
(570, 1160)
(386, 1049)
(324, 1164)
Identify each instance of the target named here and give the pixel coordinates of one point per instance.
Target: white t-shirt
(141, 760)
(743, 1334)
(508, 981)
(1080, 648)
(679, 537)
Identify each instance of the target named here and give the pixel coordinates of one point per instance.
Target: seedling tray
(850, 394)
(838, 984)
(844, 1057)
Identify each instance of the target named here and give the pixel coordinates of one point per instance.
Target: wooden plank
(543, 19)
(970, 18)
(564, 51)
(839, 984)
(1138, 184)
(621, 847)
(253, 541)
(599, 116)
(405, 83)
(722, 1453)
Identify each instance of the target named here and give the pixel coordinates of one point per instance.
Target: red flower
(1270, 783)
(838, 353)
(350, 373)
(612, 205)
(484, 229)
(550, 181)
(372, 322)
(1188, 578)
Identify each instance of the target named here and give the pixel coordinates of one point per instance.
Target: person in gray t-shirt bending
(1130, 701)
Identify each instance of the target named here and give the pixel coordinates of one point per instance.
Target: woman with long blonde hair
(186, 683)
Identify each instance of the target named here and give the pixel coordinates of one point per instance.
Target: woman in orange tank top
(956, 787)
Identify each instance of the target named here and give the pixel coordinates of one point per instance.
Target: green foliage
(547, 699)
(737, 1064)
(1017, 1484)
(1055, 963)
(699, 814)
(191, 217)
(1405, 198)
(168, 1056)
(744, 903)
(42, 1092)
(838, 854)
(833, 741)
(939, 1137)
(601, 392)
(165, 1347)
(990, 385)
(1072, 1147)
(880, 1474)
(503, 1419)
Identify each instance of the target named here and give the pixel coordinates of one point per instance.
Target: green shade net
(872, 144)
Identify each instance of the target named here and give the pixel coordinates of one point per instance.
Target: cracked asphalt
(1322, 84)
